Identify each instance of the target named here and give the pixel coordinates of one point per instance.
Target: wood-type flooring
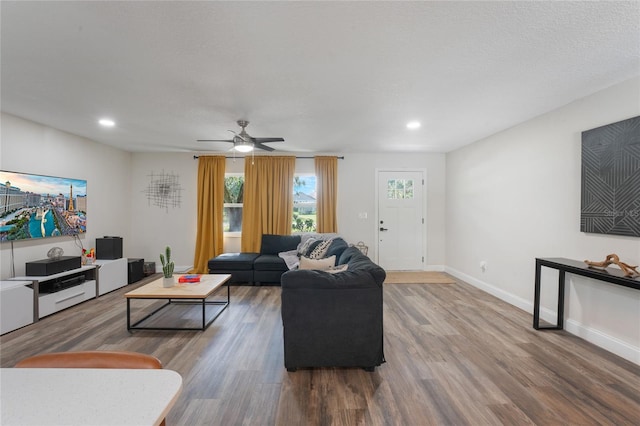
(455, 356)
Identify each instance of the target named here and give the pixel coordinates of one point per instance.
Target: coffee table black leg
(128, 314)
(204, 306)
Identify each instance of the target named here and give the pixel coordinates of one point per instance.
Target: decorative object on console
(167, 267)
(610, 172)
(629, 271)
(55, 253)
(88, 256)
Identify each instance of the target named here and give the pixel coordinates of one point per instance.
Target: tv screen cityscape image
(37, 206)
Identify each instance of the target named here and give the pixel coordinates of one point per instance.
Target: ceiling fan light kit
(243, 142)
(243, 146)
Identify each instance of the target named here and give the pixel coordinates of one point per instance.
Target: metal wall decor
(610, 199)
(164, 190)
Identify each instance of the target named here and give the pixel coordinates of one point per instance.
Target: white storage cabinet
(16, 305)
(112, 274)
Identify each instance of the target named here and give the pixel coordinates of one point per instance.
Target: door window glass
(398, 189)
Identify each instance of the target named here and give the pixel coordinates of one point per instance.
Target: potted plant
(167, 267)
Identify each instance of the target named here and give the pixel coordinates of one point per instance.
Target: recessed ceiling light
(107, 122)
(413, 125)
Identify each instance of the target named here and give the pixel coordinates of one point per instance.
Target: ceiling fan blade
(215, 140)
(264, 147)
(263, 140)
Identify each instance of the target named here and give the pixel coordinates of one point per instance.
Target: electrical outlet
(362, 215)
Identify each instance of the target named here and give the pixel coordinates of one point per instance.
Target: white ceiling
(326, 76)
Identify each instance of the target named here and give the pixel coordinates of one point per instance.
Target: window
(233, 198)
(399, 189)
(304, 204)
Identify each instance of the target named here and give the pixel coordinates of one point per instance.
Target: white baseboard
(606, 342)
(523, 304)
(598, 338)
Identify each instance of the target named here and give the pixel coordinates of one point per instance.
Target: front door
(401, 224)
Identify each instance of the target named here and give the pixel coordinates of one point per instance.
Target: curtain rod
(195, 157)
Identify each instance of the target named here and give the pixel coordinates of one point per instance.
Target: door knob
(383, 229)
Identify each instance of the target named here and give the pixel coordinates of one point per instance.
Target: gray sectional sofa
(334, 319)
(267, 266)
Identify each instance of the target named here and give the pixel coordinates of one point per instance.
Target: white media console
(27, 299)
(16, 305)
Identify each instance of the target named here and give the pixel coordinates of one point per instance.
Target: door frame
(423, 171)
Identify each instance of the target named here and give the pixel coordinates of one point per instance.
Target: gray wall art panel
(611, 179)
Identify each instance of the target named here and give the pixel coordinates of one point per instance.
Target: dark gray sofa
(263, 267)
(267, 266)
(334, 320)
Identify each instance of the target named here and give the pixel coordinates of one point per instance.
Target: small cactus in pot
(167, 267)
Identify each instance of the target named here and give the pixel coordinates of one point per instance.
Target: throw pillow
(319, 264)
(304, 246)
(338, 245)
(320, 250)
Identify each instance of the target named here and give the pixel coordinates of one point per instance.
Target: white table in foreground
(86, 396)
(182, 293)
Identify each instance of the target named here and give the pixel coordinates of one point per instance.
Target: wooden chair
(92, 359)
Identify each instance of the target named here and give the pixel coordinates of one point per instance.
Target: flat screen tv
(37, 206)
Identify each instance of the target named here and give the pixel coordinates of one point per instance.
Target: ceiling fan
(242, 142)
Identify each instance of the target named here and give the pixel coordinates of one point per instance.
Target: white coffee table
(182, 293)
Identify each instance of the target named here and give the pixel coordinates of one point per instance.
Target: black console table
(610, 275)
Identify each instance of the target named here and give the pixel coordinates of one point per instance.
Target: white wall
(515, 196)
(357, 194)
(153, 228)
(33, 148)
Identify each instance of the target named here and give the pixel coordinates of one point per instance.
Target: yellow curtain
(327, 193)
(268, 199)
(210, 235)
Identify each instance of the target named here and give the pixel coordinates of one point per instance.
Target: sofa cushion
(348, 253)
(269, 262)
(274, 244)
(233, 261)
(337, 247)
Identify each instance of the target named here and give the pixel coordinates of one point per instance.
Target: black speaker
(109, 248)
(135, 270)
(52, 266)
